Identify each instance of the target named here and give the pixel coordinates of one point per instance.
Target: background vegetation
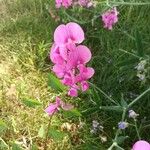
(26, 35)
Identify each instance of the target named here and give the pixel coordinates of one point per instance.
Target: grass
(26, 31)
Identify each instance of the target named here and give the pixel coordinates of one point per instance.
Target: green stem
(120, 148)
(113, 101)
(138, 134)
(135, 100)
(117, 133)
(128, 3)
(46, 138)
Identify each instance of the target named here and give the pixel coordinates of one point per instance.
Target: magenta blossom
(80, 55)
(70, 33)
(54, 107)
(141, 145)
(64, 3)
(70, 58)
(85, 3)
(110, 18)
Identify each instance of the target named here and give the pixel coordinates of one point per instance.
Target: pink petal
(141, 145)
(59, 70)
(73, 92)
(75, 32)
(67, 3)
(63, 52)
(84, 53)
(84, 86)
(80, 55)
(55, 55)
(85, 73)
(61, 35)
(89, 73)
(51, 109)
(67, 106)
(58, 101)
(68, 80)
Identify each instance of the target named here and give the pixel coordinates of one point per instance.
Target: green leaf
(89, 111)
(121, 139)
(3, 127)
(56, 134)
(55, 83)
(31, 103)
(41, 132)
(72, 113)
(95, 96)
(123, 102)
(111, 108)
(138, 42)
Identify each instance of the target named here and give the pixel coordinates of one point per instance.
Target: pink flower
(80, 55)
(70, 59)
(65, 3)
(84, 86)
(54, 107)
(85, 73)
(73, 92)
(110, 18)
(55, 55)
(70, 33)
(141, 145)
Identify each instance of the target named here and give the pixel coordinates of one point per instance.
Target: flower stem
(135, 100)
(136, 128)
(46, 137)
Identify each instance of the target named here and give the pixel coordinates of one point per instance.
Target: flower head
(110, 18)
(122, 125)
(54, 107)
(95, 123)
(65, 3)
(69, 33)
(141, 145)
(132, 114)
(70, 58)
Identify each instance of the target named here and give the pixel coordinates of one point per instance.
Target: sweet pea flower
(65, 36)
(85, 73)
(84, 86)
(73, 92)
(80, 55)
(54, 107)
(70, 58)
(55, 55)
(65, 3)
(141, 145)
(110, 18)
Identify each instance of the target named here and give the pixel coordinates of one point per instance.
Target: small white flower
(141, 65)
(132, 114)
(95, 124)
(141, 76)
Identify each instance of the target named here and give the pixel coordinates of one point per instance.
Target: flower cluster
(70, 58)
(64, 3)
(54, 107)
(110, 18)
(68, 3)
(96, 127)
(141, 70)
